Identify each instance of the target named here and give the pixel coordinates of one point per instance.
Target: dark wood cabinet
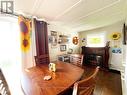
(96, 56)
(41, 36)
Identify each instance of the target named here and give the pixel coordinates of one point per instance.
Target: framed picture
(62, 47)
(50, 39)
(53, 39)
(116, 50)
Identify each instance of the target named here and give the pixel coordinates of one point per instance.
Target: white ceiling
(78, 15)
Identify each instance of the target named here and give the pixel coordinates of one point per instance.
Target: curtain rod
(16, 14)
(12, 14)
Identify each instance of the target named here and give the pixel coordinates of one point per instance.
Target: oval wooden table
(65, 76)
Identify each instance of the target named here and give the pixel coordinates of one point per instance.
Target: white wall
(124, 71)
(126, 63)
(115, 61)
(55, 51)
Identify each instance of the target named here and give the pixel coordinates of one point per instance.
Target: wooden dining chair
(86, 86)
(42, 59)
(76, 59)
(4, 89)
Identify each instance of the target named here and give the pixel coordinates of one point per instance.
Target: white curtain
(10, 42)
(10, 52)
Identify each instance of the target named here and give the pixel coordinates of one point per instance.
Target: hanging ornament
(75, 40)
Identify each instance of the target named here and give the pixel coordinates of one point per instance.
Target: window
(95, 40)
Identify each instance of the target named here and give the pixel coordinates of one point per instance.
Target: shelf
(63, 36)
(63, 39)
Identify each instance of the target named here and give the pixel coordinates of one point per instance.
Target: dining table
(66, 74)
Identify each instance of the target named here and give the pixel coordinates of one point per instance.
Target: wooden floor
(108, 83)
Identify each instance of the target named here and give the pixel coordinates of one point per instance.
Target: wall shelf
(63, 39)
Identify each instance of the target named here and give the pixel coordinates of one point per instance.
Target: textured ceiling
(78, 15)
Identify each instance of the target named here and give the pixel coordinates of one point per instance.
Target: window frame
(100, 35)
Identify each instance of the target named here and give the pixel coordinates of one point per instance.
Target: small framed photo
(53, 39)
(50, 39)
(62, 47)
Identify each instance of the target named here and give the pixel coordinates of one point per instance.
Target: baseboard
(114, 71)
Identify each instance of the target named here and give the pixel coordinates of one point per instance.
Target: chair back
(76, 59)
(42, 59)
(4, 89)
(87, 85)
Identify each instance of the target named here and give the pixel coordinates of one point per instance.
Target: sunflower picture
(25, 43)
(116, 36)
